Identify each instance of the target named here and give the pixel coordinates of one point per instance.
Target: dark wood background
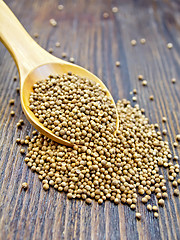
(96, 44)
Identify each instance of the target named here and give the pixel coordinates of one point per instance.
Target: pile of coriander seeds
(73, 108)
(106, 167)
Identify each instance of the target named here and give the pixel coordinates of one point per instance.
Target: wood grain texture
(96, 44)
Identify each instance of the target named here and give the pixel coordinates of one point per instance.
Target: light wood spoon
(34, 64)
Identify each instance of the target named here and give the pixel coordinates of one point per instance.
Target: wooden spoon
(34, 64)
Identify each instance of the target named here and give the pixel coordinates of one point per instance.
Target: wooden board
(96, 44)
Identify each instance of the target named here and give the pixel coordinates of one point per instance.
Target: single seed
(178, 137)
(11, 101)
(156, 215)
(144, 83)
(176, 192)
(25, 185)
(143, 41)
(88, 200)
(105, 15)
(36, 35)
(50, 50)
(17, 89)
(118, 63)
(138, 216)
(164, 119)
(64, 55)
(165, 195)
(114, 9)
(135, 91)
(71, 59)
(151, 97)
(174, 183)
(22, 151)
(133, 206)
(169, 45)
(12, 113)
(178, 181)
(46, 186)
(175, 144)
(58, 44)
(134, 98)
(53, 22)
(34, 132)
(176, 158)
(133, 42)
(18, 125)
(155, 208)
(161, 202)
(173, 80)
(149, 207)
(60, 7)
(164, 131)
(18, 140)
(21, 121)
(15, 78)
(140, 77)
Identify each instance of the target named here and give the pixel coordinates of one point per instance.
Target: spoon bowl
(35, 64)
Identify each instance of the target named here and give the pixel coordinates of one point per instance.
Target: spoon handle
(26, 53)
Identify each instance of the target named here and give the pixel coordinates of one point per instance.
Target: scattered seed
(21, 121)
(164, 119)
(176, 192)
(105, 15)
(60, 7)
(178, 137)
(118, 63)
(134, 98)
(144, 83)
(64, 55)
(155, 208)
(17, 89)
(176, 158)
(161, 202)
(53, 22)
(12, 113)
(25, 185)
(151, 97)
(140, 77)
(175, 144)
(34, 132)
(178, 181)
(36, 35)
(114, 9)
(58, 44)
(133, 42)
(46, 186)
(11, 101)
(149, 207)
(18, 140)
(138, 216)
(22, 151)
(165, 195)
(156, 215)
(135, 91)
(173, 80)
(164, 131)
(50, 50)
(71, 59)
(143, 41)
(18, 125)
(169, 45)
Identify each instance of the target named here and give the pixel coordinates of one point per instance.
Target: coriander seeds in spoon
(63, 101)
